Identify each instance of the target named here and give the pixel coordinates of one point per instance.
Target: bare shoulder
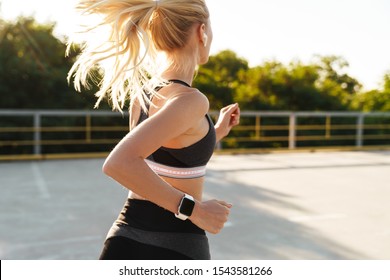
(190, 99)
(175, 112)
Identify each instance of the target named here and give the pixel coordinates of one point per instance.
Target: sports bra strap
(175, 81)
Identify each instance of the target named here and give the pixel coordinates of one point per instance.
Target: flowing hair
(131, 36)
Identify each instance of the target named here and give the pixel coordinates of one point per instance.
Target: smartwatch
(186, 207)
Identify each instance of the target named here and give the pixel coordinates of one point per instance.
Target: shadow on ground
(255, 233)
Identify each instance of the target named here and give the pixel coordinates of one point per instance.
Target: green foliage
(296, 87)
(33, 69)
(386, 84)
(274, 86)
(374, 100)
(219, 78)
(322, 85)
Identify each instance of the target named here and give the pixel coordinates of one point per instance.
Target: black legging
(122, 248)
(145, 231)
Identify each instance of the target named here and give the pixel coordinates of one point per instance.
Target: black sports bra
(187, 162)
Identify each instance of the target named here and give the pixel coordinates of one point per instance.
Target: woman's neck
(182, 66)
(187, 77)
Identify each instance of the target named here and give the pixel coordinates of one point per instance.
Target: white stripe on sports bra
(176, 172)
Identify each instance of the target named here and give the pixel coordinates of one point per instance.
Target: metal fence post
(37, 134)
(292, 132)
(88, 128)
(359, 131)
(258, 127)
(328, 127)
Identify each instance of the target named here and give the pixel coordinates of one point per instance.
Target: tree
(219, 77)
(295, 87)
(33, 71)
(33, 68)
(374, 100)
(335, 83)
(386, 82)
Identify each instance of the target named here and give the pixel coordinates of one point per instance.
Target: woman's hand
(228, 118)
(211, 215)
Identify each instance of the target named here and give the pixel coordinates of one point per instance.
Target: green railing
(45, 134)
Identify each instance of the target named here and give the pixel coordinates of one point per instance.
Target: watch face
(187, 206)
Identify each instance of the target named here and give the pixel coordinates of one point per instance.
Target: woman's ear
(205, 38)
(202, 34)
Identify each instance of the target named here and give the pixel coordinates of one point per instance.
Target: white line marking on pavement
(313, 218)
(40, 181)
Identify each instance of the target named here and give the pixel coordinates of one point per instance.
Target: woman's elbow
(114, 167)
(108, 167)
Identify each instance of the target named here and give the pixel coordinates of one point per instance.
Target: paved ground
(333, 205)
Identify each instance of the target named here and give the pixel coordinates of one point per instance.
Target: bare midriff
(193, 187)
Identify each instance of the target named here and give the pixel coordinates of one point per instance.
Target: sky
(282, 30)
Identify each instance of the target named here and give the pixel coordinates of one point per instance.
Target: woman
(149, 59)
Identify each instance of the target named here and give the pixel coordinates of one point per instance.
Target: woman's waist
(193, 187)
(145, 215)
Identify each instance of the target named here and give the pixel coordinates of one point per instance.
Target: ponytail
(126, 57)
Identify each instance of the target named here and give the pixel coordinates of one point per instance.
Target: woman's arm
(228, 118)
(126, 164)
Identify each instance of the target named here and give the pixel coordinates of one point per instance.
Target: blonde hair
(127, 57)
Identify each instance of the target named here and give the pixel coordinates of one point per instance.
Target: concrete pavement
(323, 205)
